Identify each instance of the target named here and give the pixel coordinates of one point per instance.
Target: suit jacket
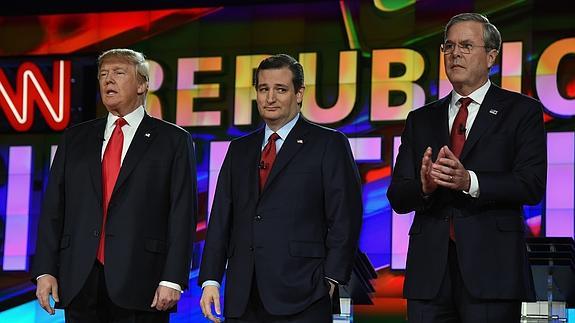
(151, 217)
(303, 226)
(506, 148)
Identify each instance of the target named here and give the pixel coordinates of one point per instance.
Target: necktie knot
(121, 122)
(465, 102)
(273, 137)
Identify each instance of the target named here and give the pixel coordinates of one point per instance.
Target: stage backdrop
(367, 64)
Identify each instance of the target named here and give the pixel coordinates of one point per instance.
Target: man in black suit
(467, 164)
(116, 231)
(287, 227)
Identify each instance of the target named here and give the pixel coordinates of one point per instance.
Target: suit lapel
(144, 136)
(95, 157)
(487, 114)
(254, 152)
(441, 114)
(292, 144)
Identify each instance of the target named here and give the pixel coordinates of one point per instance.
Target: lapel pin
(147, 135)
(300, 141)
(493, 112)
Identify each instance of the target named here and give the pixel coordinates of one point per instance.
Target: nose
(456, 50)
(107, 78)
(271, 96)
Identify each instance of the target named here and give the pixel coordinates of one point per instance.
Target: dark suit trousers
(93, 305)
(317, 312)
(454, 304)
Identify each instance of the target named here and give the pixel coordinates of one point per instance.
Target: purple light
(366, 149)
(17, 208)
(400, 224)
(559, 217)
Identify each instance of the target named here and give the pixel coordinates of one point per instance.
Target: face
(278, 101)
(468, 72)
(120, 87)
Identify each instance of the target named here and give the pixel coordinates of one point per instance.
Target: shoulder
(86, 125)
(169, 128)
(330, 137)
(430, 108)
(321, 130)
(518, 102)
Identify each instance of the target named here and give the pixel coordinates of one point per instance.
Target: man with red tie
(467, 164)
(116, 231)
(286, 214)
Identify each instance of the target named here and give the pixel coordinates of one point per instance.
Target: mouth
(455, 66)
(111, 92)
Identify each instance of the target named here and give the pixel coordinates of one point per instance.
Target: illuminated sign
(32, 91)
(383, 83)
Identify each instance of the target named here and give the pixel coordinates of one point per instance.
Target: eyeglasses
(465, 48)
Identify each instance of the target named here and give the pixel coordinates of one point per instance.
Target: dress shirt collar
(477, 96)
(133, 118)
(283, 132)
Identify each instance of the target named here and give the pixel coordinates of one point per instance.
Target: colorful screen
(367, 64)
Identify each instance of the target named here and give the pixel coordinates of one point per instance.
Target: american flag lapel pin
(300, 141)
(493, 112)
(147, 135)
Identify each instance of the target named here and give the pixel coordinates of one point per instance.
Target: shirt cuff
(171, 285)
(41, 276)
(210, 283)
(474, 185)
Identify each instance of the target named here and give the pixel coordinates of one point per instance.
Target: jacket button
(257, 218)
(96, 233)
(446, 218)
(251, 248)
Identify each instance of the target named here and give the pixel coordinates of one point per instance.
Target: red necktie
(457, 142)
(110, 170)
(458, 127)
(268, 158)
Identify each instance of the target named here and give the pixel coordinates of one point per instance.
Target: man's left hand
(448, 171)
(165, 298)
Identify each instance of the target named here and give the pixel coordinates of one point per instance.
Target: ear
(299, 95)
(491, 57)
(142, 88)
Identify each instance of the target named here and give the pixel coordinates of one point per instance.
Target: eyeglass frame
(465, 48)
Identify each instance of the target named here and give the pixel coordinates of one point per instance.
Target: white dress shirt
(477, 98)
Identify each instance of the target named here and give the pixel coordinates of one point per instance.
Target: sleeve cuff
(171, 285)
(210, 283)
(474, 185)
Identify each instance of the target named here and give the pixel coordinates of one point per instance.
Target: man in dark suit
(467, 164)
(116, 231)
(287, 227)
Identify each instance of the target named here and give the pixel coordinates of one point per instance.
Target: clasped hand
(447, 171)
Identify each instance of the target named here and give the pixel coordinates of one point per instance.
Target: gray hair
(491, 36)
(133, 57)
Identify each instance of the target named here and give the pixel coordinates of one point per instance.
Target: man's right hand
(211, 294)
(46, 285)
(428, 185)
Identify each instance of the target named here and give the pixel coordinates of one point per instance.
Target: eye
(448, 46)
(468, 47)
(282, 90)
(262, 89)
